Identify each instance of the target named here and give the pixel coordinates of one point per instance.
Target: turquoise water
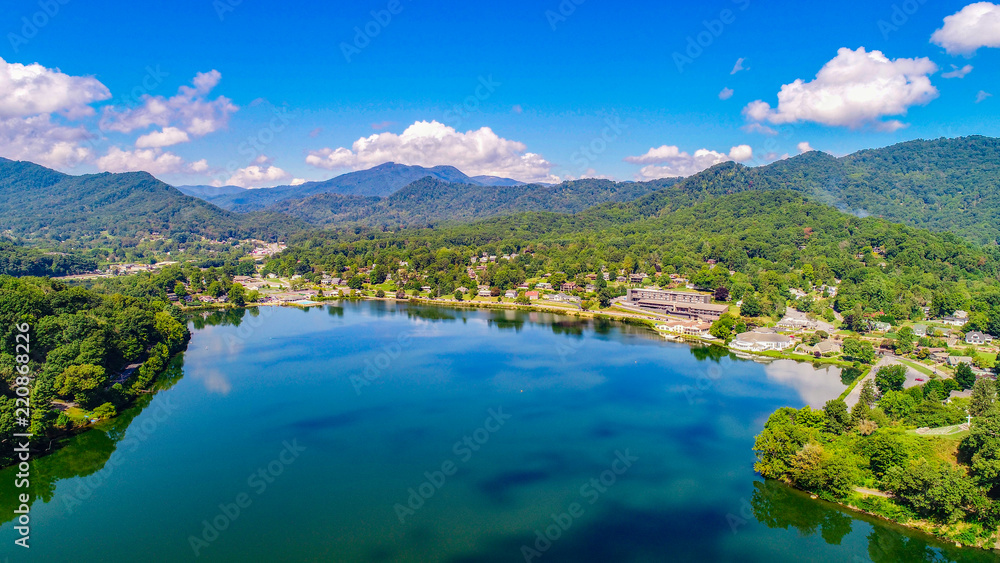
(374, 432)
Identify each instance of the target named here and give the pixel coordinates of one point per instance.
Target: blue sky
(566, 90)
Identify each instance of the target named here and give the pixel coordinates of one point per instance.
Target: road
(912, 376)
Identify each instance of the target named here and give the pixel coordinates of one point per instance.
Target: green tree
(860, 350)
(838, 420)
(896, 404)
(890, 378)
(105, 411)
(965, 376)
(904, 340)
(984, 397)
(82, 383)
(868, 394)
(751, 306)
(237, 295)
(722, 328)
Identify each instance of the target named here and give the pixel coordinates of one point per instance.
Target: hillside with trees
(38, 203)
(772, 241)
(935, 483)
(430, 201)
(80, 343)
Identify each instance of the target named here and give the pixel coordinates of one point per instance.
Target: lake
(382, 432)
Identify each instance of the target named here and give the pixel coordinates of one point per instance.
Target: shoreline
(909, 525)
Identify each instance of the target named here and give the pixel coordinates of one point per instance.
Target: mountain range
(380, 181)
(941, 185)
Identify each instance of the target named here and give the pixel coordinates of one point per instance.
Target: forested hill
(940, 185)
(433, 201)
(380, 181)
(39, 203)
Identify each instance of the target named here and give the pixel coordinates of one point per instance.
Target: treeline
(80, 342)
(42, 204)
(432, 201)
(834, 451)
(772, 241)
(17, 260)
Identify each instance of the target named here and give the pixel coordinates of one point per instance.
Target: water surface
(375, 432)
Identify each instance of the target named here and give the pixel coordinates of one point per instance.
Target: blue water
(375, 432)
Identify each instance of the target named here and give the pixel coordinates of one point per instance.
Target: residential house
(531, 294)
(879, 326)
(976, 337)
(955, 360)
(484, 292)
(919, 331)
(510, 294)
(569, 286)
(636, 278)
(959, 318)
(825, 347)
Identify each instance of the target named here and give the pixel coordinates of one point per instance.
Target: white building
(760, 342)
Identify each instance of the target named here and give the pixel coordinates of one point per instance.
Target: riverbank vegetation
(945, 482)
(90, 354)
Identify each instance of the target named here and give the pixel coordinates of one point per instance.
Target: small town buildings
(636, 278)
(462, 289)
(484, 292)
(826, 347)
(976, 337)
(757, 341)
(687, 328)
(569, 286)
(959, 318)
(919, 331)
(955, 360)
(879, 326)
(531, 294)
(696, 306)
(797, 293)
(511, 294)
(796, 320)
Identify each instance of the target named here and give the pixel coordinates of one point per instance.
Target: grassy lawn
(921, 368)
(76, 414)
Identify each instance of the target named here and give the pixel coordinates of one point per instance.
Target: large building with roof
(680, 303)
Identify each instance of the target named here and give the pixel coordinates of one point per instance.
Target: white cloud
(738, 66)
(956, 72)
(974, 26)
(668, 161)
(726, 93)
(741, 153)
(27, 90)
(804, 147)
(479, 152)
(298, 181)
(758, 128)
(982, 95)
(256, 176)
(855, 89)
(189, 110)
(155, 161)
(40, 140)
(169, 136)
